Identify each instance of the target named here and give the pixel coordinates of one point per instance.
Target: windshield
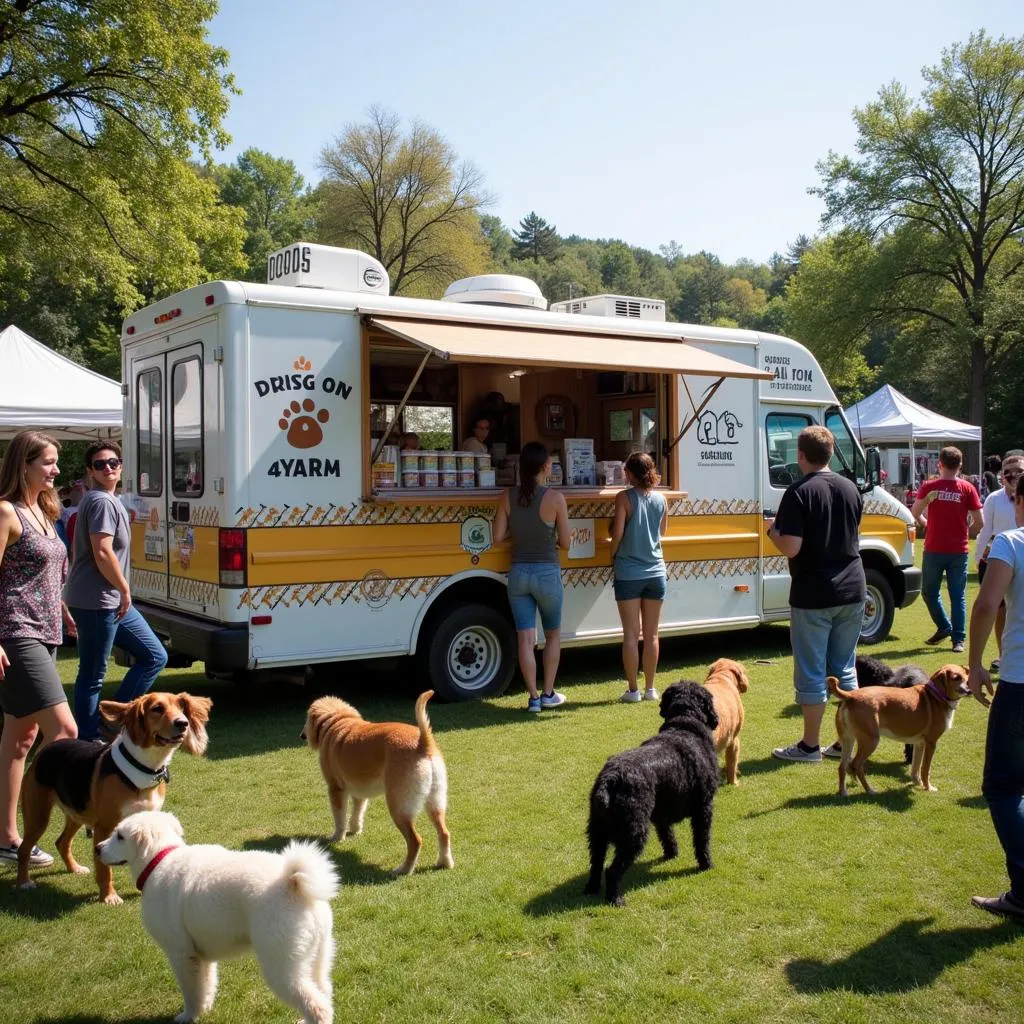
(847, 458)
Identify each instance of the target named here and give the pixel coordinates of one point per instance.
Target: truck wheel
(880, 609)
(469, 652)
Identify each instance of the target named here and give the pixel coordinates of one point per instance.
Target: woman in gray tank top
(641, 516)
(538, 520)
(33, 561)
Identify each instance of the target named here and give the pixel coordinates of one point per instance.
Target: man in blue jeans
(816, 528)
(1003, 776)
(954, 509)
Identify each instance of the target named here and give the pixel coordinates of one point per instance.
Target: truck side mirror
(874, 461)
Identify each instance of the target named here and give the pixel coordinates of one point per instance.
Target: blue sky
(649, 121)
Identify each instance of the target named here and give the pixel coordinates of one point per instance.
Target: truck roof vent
(305, 265)
(631, 307)
(497, 290)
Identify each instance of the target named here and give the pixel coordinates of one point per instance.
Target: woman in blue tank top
(538, 520)
(641, 515)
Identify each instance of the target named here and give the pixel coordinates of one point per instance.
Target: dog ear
(710, 715)
(742, 682)
(197, 711)
(311, 730)
(113, 711)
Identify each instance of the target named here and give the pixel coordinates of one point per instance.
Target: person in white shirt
(476, 443)
(998, 515)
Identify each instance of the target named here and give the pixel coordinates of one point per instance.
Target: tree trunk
(976, 395)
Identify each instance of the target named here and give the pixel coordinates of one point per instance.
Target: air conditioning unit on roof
(628, 306)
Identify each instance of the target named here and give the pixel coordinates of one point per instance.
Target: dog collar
(936, 692)
(140, 775)
(151, 866)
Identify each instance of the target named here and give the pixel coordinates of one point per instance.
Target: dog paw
(336, 838)
(112, 899)
(80, 869)
(184, 1018)
(27, 884)
(401, 870)
(445, 862)
(930, 788)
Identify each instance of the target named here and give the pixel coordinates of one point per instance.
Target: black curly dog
(872, 672)
(671, 776)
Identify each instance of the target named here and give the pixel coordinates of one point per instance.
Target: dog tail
(423, 721)
(833, 685)
(309, 873)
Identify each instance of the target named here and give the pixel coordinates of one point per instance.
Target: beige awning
(513, 346)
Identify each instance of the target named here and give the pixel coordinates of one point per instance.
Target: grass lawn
(817, 908)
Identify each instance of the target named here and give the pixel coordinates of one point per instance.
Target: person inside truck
(410, 442)
(477, 442)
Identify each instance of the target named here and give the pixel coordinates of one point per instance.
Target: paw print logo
(302, 363)
(303, 430)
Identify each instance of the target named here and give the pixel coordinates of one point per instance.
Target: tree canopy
(406, 198)
(535, 240)
(102, 106)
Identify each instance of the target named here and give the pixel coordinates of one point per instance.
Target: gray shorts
(31, 682)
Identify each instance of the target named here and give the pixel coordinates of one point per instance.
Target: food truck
(283, 515)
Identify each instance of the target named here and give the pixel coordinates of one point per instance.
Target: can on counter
(410, 478)
(449, 478)
(466, 461)
(428, 460)
(410, 462)
(482, 460)
(485, 478)
(429, 477)
(467, 478)
(449, 462)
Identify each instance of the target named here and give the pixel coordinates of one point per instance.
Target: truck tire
(880, 609)
(469, 652)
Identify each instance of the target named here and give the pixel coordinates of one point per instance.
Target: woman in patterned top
(33, 563)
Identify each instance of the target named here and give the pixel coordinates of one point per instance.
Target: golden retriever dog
(97, 785)
(203, 903)
(915, 714)
(727, 679)
(361, 759)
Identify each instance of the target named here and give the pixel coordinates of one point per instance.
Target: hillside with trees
(111, 196)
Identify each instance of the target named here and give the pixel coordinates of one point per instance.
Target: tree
(535, 240)
(406, 199)
(499, 238)
(939, 186)
(102, 104)
(271, 192)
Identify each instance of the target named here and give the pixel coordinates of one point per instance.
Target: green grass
(817, 908)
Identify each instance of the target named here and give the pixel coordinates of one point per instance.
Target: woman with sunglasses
(33, 562)
(99, 597)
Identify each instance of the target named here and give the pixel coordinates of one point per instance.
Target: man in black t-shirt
(816, 528)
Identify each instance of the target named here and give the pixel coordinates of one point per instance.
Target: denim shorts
(824, 644)
(533, 587)
(653, 588)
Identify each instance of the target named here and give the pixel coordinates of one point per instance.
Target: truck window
(781, 432)
(149, 429)
(187, 428)
(847, 458)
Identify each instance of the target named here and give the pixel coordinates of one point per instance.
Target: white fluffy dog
(203, 903)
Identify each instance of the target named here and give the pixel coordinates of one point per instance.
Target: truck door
(782, 427)
(173, 498)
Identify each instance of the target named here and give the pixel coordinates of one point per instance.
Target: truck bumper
(911, 584)
(222, 648)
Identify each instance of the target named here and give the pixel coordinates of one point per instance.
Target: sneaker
(650, 693)
(533, 704)
(552, 700)
(938, 636)
(795, 752)
(833, 750)
(36, 859)
(958, 647)
(1004, 906)
(631, 697)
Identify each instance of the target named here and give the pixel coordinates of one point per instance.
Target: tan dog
(96, 785)
(914, 714)
(361, 759)
(727, 679)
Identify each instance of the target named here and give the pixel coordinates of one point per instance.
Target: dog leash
(151, 866)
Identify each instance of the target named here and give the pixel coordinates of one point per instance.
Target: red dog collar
(151, 866)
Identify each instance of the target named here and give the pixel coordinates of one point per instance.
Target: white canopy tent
(42, 390)
(888, 417)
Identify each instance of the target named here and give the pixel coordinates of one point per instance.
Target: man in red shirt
(954, 509)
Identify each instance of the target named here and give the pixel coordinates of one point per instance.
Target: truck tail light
(232, 557)
(911, 533)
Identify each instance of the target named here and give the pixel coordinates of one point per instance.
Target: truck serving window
(149, 429)
(187, 428)
(781, 432)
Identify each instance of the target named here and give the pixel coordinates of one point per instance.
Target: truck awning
(514, 346)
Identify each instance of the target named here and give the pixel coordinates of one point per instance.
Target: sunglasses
(101, 464)
(1011, 474)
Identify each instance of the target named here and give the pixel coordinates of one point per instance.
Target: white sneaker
(795, 752)
(631, 697)
(650, 693)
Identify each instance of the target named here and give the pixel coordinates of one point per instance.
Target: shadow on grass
(901, 960)
(43, 903)
(974, 803)
(351, 868)
(88, 1018)
(569, 895)
(897, 800)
